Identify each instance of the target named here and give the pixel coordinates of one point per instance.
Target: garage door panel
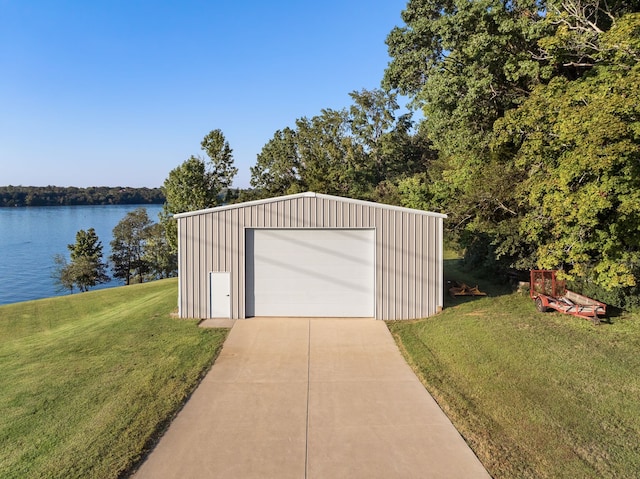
(311, 272)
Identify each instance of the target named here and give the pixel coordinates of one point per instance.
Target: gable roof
(309, 194)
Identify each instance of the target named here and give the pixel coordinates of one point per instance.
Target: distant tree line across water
(70, 196)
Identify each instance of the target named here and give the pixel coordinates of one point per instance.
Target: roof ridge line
(309, 194)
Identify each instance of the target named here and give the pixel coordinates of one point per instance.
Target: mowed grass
(88, 381)
(535, 395)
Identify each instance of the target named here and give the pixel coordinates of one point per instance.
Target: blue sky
(120, 92)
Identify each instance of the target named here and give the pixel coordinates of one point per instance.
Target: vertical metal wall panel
(406, 300)
(394, 254)
(410, 272)
(378, 213)
(190, 268)
(436, 271)
(200, 265)
(424, 263)
(408, 250)
(432, 266)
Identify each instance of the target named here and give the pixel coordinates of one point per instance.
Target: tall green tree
(577, 145)
(358, 151)
(391, 150)
(221, 170)
(86, 267)
(197, 183)
(465, 63)
(161, 261)
(326, 152)
(128, 246)
(279, 168)
(530, 108)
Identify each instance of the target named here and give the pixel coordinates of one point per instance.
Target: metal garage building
(310, 255)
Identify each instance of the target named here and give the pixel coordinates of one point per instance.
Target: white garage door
(310, 272)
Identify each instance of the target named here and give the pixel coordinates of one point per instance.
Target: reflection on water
(31, 237)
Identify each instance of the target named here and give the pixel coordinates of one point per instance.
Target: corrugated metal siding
(408, 251)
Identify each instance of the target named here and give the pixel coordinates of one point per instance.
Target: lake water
(31, 237)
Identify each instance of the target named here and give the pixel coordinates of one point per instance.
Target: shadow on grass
(455, 272)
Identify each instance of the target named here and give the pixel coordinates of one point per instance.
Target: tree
(371, 118)
(516, 97)
(161, 262)
(391, 151)
(278, 169)
(221, 169)
(319, 155)
(588, 33)
(326, 153)
(197, 185)
(86, 268)
(465, 63)
(360, 152)
(130, 236)
(577, 146)
(63, 274)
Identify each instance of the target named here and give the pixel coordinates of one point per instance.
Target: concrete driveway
(311, 398)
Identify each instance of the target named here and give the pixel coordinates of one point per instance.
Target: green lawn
(88, 381)
(535, 395)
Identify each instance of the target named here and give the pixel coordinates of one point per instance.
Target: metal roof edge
(308, 194)
(243, 204)
(379, 205)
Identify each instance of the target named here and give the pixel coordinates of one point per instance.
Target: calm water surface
(31, 237)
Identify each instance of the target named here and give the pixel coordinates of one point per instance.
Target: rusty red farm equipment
(548, 292)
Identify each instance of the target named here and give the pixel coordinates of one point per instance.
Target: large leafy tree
(575, 147)
(327, 153)
(86, 268)
(577, 144)
(530, 108)
(128, 246)
(390, 148)
(358, 151)
(158, 257)
(465, 63)
(198, 183)
(220, 164)
(279, 169)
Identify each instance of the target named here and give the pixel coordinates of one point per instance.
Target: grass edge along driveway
(88, 381)
(535, 395)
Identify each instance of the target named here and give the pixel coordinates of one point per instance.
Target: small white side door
(220, 294)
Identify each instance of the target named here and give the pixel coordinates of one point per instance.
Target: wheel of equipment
(540, 305)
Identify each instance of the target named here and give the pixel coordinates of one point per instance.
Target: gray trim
(179, 288)
(441, 256)
(308, 194)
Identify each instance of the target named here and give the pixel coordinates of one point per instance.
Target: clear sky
(120, 92)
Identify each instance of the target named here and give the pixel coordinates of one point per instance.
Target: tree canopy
(86, 268)
(198, 183)
(71, 196)
(357, 151)
(532, 109)
(576, 149)
(128, 246)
